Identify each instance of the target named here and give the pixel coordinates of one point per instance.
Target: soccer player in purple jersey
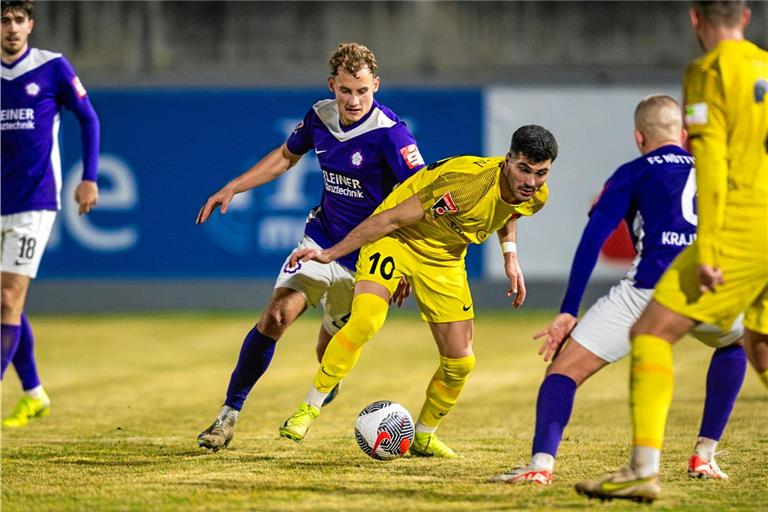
(655, 195)
(364, 150)
(35, 85)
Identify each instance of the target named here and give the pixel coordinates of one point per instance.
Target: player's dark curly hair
(353, 57)
(535, 142)
(726, 12)
(19, 5)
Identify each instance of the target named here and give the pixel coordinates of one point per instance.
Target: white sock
(37, 392)
(229, 413)
(424, 429)
(543, 460)
(645, 461)
(315, 398)
(705, 448)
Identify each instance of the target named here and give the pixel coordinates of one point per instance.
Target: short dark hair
(19, 5)
(722, 12)
(535, 142)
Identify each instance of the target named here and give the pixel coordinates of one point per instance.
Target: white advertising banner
(594, 131)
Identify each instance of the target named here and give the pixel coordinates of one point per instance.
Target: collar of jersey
(32, 59)
(328, 113)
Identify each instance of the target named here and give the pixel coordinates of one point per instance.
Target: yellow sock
(651, 385)
(444, 389)
(368, 315)
(764, 378)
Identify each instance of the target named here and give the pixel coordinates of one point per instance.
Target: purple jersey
(361, 164)
(655, 194)
(34, 88)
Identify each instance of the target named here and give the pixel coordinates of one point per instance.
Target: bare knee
(281, 312)
(576, 363)
(13, 294)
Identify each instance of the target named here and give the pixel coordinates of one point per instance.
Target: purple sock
(9, 343)
(24, 360)
(255, 356)
(553, 410)
(724, 380)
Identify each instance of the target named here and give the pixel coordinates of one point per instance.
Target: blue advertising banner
(165, 151)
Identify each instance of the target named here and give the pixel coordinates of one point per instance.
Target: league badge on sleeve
(696, 114)
(412, 156)
(79, 88)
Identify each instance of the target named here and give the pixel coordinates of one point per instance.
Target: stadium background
(190, 94)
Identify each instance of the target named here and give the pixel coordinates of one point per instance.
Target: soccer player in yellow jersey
(725, 272)
(421, 231)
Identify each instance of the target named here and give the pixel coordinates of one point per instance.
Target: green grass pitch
(131, 392)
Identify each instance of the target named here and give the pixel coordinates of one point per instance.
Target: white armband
(508, 247)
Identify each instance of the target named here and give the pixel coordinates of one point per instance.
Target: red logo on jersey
(444, 205)
(79, 87)
(412, 156)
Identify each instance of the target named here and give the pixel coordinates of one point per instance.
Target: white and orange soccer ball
(384, 430)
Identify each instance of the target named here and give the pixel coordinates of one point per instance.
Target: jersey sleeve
(401, 152)
(72, 94)
(708, 135)
(610, 208)
(300, 139)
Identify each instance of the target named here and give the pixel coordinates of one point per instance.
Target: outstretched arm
(508, 238)
(597, 231)
(371, 229)
(267, 169)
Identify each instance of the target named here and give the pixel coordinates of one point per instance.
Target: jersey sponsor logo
(79, 88)
(342, 185)
(466, 308)
(356, 159)
(320, 151)
(412, 156)
(17, 119)
(696, 114)
(298, 127)
(32, 89)
(444, 205)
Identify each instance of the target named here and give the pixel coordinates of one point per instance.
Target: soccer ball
(384, 430)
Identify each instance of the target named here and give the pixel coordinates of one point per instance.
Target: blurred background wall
(190, 94)
(420, 42)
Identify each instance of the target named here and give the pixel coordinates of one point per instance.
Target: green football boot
(295, 427)
(26, 409)
(427, 444)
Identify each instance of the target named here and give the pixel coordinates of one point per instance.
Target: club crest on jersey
(79, 88)
(444, 205)
(412, 156)
(32, 89)
(357, 159)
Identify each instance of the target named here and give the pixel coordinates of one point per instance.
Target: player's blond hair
(353, 58)
(720, 12)
(659, 117)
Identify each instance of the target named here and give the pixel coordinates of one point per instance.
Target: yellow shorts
(440, 287)
(745, 291)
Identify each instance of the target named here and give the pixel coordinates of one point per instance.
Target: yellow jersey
(461, 198)
(726, 114)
